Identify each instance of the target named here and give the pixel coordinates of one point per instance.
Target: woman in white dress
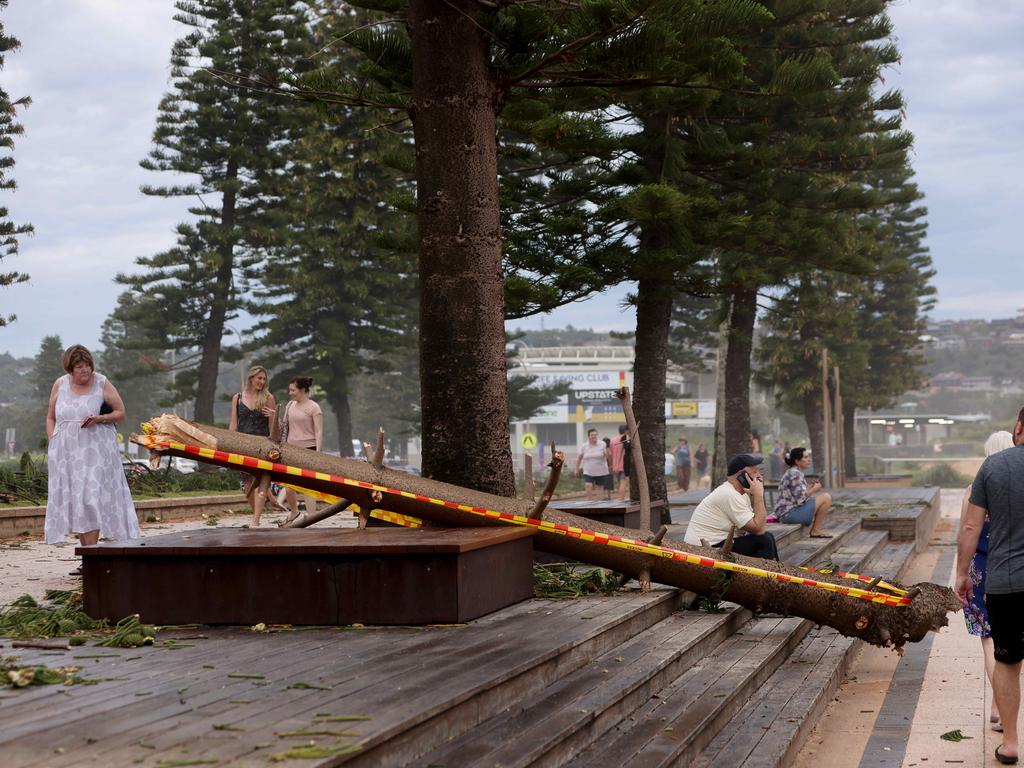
(88, 494)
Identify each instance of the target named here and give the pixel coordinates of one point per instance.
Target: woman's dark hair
(793, 455)
(302, 382)
(74, 355)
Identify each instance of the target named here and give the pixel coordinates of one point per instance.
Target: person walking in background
(975, 614)
(799, 502)
(775, 462)
(700, 458)
(592, 456)
(87, 493)
(253, 412)
(618, 453)
(302, 425)
(683, 464)
(998, 494)
(755, 441)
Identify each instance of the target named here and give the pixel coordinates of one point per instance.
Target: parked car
(134, 466)
(179, 464)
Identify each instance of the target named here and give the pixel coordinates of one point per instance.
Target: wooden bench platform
(621, 512)
(310, 576)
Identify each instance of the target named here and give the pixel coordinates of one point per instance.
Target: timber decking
(540, 683)
(770, 729)
(401, 678)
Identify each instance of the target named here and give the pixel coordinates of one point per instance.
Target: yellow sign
(684, 408)
(528, 440)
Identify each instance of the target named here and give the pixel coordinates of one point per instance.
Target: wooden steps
(688, 674)
(623, 680)
(772, 727)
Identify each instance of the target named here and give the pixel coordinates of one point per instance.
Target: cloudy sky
(95, 70)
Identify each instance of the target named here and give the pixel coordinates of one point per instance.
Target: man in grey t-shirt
(998, 491)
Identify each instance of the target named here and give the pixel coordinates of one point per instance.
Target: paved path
(30, 566)
(891, 711)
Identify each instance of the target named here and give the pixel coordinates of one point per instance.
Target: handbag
(106, 408)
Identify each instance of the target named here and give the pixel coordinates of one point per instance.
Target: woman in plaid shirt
(799, 502)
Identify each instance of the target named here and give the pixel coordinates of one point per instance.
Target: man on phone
(739, 502)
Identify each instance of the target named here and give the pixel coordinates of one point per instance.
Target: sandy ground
(30, 566)
(954, 693)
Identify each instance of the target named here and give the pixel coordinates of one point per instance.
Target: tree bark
(653, 320)
(463, 385)
(338, 398)
(718, 458)
(815, 420)
(849, 440)
(737, 370)
(410, 495)
(209, 361)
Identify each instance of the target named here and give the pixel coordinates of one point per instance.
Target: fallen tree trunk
(784, 590)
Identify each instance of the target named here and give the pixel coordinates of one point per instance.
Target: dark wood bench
(621, 512)
(308, 576)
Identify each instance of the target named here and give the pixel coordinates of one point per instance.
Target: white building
(596, 373)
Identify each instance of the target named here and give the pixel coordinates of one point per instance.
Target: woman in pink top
(305, 429)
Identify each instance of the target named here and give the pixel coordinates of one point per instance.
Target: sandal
(1005, 759)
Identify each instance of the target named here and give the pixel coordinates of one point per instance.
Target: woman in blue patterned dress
(975, 614)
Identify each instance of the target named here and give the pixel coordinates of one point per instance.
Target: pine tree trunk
(343, 416)
(718, 458)
(464, 397)
(737, 370)
(816, 431)
(404, 493)
(653, 319)
(850, 440)
(209, 361)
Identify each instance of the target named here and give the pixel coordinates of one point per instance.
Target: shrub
(942, 475)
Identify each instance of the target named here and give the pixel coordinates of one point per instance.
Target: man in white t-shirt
(739, 501)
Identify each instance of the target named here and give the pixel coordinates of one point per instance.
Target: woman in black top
(253, 412)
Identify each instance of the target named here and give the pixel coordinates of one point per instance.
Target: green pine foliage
(221, 142)
(338, 296)
(46, 368)
(10, 232)
(134, 361)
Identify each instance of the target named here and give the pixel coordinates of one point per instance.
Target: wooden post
(646, 523)
(837, 415)
(826, 417)
(529, 489)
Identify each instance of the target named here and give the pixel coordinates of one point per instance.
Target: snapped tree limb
(876, 623)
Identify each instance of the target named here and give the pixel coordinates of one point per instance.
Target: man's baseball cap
(741, 461)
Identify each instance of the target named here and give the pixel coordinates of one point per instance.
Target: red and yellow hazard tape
(545, 526)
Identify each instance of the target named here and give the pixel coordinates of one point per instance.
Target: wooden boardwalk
(543, 682)
(232, 695)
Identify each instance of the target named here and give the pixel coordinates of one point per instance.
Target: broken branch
(557, 459)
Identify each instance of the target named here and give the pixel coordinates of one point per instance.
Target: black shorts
(598, 480)
(1006, 617)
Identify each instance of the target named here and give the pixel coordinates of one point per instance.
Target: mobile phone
(743, 479)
